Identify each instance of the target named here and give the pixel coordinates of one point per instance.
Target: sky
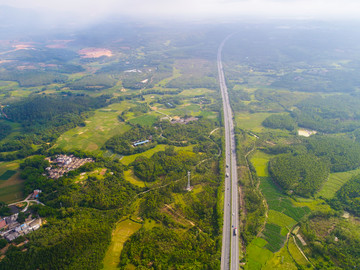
(97, 9)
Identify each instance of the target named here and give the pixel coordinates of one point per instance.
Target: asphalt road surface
(230, 239)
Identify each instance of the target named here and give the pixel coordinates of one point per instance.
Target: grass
(144, 120)
(195, 92)
(186, 109)
(5, 166)
(279, 202)
(260, 161)
(313, 205)
(11, 190)
(129, 176)
(126, 160)
(256, 254)
(179, 199)
(280, 219)
(98, 173)
(295, 253)
(6, 175)
(335, 182)
(99, 128)
(176, 74)
(11, 186)
(281, 261)
(272, 234)
(121, 233)
(251, 121)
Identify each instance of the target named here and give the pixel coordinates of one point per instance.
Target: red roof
(2, 223)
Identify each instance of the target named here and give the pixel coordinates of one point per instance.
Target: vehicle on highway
(227, 165)
(227, 175)
(235, 231)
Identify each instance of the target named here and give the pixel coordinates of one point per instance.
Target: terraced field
(334, 183)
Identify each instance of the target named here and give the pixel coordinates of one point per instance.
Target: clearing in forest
(121, 233)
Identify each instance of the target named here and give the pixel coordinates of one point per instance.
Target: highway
(230, 239)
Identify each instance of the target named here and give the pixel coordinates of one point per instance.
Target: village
(21, 221)
(63, 164)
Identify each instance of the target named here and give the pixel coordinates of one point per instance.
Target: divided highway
(230, 239)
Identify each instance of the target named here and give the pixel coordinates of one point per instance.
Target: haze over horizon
(93, 11)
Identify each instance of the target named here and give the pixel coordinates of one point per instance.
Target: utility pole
(188, 188)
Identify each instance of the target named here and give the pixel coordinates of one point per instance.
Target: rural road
(230, 239)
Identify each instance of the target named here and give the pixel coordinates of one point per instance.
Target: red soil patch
(94, 52)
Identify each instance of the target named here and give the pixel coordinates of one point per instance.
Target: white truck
(235, 231)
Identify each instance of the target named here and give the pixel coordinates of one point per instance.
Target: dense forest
(280, 121)
(161, 248)
(343, 154)
(5, 129)
(325, 114)
(49, 116)
(124, 143)
(163, 163)
(32, 78)
(301, 174)
(348, 196)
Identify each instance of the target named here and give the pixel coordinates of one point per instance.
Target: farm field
(196, 92)
(122, 232)
(251, 121)
(280, 202)
(280, 219)
(11, 190)
(6, 175)
(281, 260)
(295, 253)
(257, 255)
(334, 183)
(11, 185)
(144, 120)
(260, 161)
(99, 128)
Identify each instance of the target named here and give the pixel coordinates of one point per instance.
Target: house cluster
(63, 164)
(11, 229)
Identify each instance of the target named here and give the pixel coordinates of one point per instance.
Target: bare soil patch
(94, 52)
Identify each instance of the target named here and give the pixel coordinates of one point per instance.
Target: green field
(6, 166)
(334, 183)
(260, 161)
(281, 260)
(272, 234)
(313, 205)
(6, 175)
(195, 92)
(176, 74)
(160, 147)
(144, 120)
(280, 219)
(120, 234)
(11, 190)
(186, 109)
(251, 121)
(256, 254)
(99, 128)
(295, 253)
(280, 202)
(129, 176)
